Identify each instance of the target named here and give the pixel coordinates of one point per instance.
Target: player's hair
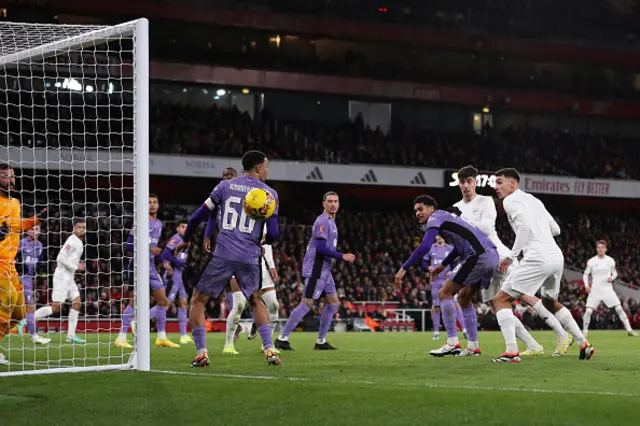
(78, 220)
(509, 173)
(324, 197)
(182, 221)
(5, 166)
(426, 200)
(252, 159)
(603, 242)
(229, 168)
(152, 195)
(467, 172)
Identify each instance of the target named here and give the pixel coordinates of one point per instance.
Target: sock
(460, 318)
(182, 320)
(551, 320)
(326, 318)
(161, 322)
(233, 319)
(567, 321)
(435, 317)
(73, 323)
(623, 317)
(294, 319)
(199, 335)
(127, 316)
(471, 324)
(523, 334)
(507, 322)
(270, 299)
(586, 319)
(31, 323)
(448, 308)
(44, 312)
(265, 335)
(152, 312)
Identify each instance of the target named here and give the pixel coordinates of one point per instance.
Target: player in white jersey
(541, 267)
(268, 289)
(64, 285)
(602, 269)
(480, 211)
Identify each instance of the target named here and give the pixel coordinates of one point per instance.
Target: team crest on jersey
(67, 247)
(321, 228)
(476, 211)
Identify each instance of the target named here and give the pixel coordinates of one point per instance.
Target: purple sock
(448, 308)
(229, 299)
(326, 317)
(435, 317)
(152, 312)
(200, 337)
(182, 319)
(459, 317)
(294, 319)
(265, 335)
(471, 323)
(161, 318)
(127, 316)
(31, 323)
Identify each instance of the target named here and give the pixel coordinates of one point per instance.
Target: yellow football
(259, 204)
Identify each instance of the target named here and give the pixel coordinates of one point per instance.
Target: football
(259, 204)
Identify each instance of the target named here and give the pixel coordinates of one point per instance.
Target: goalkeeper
(12, 304)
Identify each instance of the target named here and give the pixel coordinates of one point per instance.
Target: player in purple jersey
(157, 286)
(30, 254)
(477, 259)
(316, 270)
(237, 252)
(439, 251)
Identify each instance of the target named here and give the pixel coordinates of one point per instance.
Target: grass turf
(373, 379)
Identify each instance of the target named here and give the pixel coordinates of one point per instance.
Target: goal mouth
(74, 118)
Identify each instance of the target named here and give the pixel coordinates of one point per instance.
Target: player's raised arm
(206, 211)
(273, 231)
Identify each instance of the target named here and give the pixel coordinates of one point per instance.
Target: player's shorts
(64, 288)
(499, 281)
(12, 305)
(539, 270)
(435, 290)
(608, 297)
(315, 288)
(267, 281)
(27, 287)
(476, 270)
(177, 287)
(155, 281)
(219, 271)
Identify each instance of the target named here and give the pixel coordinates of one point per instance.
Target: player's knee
(444, 294)
(308, 302)
(55, 307)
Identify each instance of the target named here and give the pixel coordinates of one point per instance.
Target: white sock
(202, 351)
(551, 320)
(523, 334)
(586, 320)
(452, 341)
(567, 321)
(44, 312)
(472, 345)
(162, 335)
(270, 299)
(73, 323)
(122, 336)
(623, 317)
(283, 338)
(321, 341)
(233, 319)
(507, 322)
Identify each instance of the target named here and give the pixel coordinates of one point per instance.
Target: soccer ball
(259, 204)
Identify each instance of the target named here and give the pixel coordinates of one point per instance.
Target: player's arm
(207, 211)
(65, 256)
(487, 222)
(273, 232)
(424, 248)
(167, 254)
(553, 225)
(585, 277)
(515, 210)
(268, 256)
(614, 271)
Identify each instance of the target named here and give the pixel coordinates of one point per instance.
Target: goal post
(74, 126)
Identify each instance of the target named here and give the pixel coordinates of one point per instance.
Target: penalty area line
(414, 385)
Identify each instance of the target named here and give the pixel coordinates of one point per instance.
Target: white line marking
(423, 385)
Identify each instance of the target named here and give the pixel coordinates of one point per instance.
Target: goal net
(74, 131)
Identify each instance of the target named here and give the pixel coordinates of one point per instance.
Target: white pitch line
(424, 385)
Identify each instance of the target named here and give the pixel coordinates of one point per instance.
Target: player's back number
(232, 220)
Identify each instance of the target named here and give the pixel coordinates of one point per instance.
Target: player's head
(507, 182)
(423, 207)
(79, 227)
(330, 203)
(34, 232)
(229, 173)
(181, 228)
(256, 163)
(601, 247)
(467, 182)
(439, 241)
(154, 204)
(7, 177)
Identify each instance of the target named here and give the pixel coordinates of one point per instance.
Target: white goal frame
(140, 357)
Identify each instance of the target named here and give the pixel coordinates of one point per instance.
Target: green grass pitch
(373, 379)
